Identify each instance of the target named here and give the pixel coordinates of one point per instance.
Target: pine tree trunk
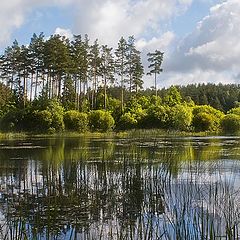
(36, 85)
(155, 84)
(105, 93)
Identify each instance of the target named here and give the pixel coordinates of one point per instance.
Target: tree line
(74, 71)
(55, 84)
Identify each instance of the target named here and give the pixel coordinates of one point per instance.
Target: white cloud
(162, 43)
(211, 52)
(13, 14)
(111, 19)
(64, 32)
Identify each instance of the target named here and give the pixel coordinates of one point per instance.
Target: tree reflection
(87, 188)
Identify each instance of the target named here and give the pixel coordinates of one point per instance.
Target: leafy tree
(134, 68)
(6, 99)
(57, 61)
(180, 117)
(235, 111)
(155, 60)
(138, 73)
(36, 57)
(127, 121)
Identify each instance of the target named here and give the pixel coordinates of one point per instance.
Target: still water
(120, 188)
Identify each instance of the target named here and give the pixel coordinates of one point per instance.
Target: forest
(56, 84)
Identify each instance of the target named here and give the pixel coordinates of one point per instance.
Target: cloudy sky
(200, 38)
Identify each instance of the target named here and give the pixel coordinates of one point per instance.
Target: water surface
(120, 188)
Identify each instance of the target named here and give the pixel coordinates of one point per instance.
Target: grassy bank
(139, 133)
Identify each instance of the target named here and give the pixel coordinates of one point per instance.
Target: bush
(76, 121)
(206, 118)
(56, 109)
(156, 117)
(203, 122)
(180, 117)
(231, 123)
(17, 120)
(43, 121)
(127, 121)
(100, 120)
(235, 111)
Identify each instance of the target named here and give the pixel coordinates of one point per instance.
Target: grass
(119, 134)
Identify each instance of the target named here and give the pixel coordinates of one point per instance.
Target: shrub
(206, 118)
(180, 117)
(76, 121)
(56, 109)
(235, 111)
(156, 117)
(127, 121)
(100, 120)
(203, 122)
(231, 123)
(43, 121)
(17, 120)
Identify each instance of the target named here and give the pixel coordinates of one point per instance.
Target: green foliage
(204, 122)
(231, 123)
(100, 120)
(56, 109)
(173, 97)
(114, 107)
(76, 121)
(127, 121)
(17, 120)
(180, 117)
(235, 111)
(53, 111)
(68, 95)
(43, 121)
(6, 99)
(206, 118)
(156, 117)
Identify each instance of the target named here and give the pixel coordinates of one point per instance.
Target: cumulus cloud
(13, 13)
(211, 52)
(109, 20)
(214, 44)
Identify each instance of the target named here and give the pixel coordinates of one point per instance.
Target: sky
(199, 38)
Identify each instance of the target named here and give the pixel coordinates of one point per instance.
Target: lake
(152, 187)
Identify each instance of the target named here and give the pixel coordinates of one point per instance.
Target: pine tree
(121, 64)
(58, 62)
(106, 69)
(36, 52)
(155, 60)
(138, 72)
(134, 66)
(79, 52)
(94, 62)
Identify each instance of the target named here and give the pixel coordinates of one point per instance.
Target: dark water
(119, 188)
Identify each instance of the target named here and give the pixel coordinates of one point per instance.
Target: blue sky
(199, 37)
